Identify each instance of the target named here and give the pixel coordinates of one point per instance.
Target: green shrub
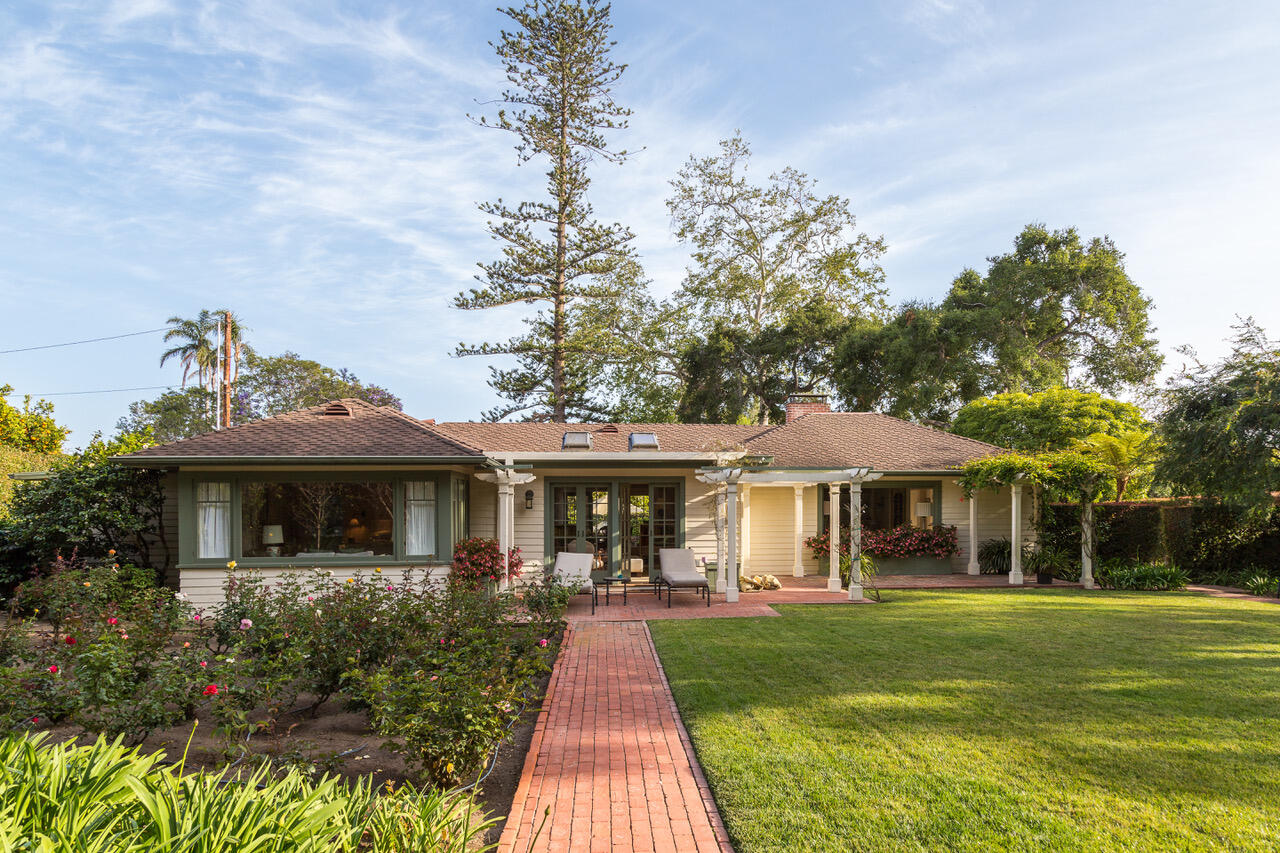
(546, 600)
(994, 557)
(449, 697)
(1261, 585)
(63, 798)
(1126, 575)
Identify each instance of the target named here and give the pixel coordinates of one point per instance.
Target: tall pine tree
(559, 107)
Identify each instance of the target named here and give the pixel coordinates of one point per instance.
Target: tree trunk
(559, 412)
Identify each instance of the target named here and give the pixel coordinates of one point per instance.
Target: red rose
(70, 641)
(54, 669)
(211, 690)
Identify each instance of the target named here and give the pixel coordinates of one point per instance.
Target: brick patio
(610, 757)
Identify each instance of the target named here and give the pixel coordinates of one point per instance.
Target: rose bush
(906, 541)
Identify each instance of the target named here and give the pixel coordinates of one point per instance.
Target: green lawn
(1020, 720)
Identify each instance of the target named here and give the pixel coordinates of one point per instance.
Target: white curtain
(213, 520)
(420, 519)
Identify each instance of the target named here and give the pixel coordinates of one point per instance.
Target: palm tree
(200, 348)
(1127, 453)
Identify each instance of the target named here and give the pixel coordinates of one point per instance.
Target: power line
(86, 341)
(101, 391)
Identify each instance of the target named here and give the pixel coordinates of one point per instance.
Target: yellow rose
(231, 564)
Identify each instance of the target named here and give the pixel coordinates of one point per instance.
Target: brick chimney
(799, 405)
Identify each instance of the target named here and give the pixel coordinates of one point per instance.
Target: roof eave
(162, 461)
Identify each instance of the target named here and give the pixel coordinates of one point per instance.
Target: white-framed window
(213, 521)
(420, 518)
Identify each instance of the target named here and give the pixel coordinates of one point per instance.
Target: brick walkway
(610, 756)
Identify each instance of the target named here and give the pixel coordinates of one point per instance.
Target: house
(349, 486)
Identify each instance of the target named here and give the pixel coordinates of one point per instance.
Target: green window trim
(447, 532)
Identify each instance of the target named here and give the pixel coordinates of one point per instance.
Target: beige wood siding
(994, 518)
(203, 587)
(773, 530)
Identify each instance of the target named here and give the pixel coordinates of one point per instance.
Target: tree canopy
(92, 505)
(31, 428)
(1058, 311)
(1055, 419)
(268, 385)
(1054, 312)
(1220, 423)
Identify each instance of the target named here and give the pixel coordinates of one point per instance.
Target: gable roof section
(368, 432)
(855, 439)
(498, 439)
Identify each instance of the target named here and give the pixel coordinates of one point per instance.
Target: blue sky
(312, 167)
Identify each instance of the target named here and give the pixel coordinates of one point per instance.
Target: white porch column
(833, 576)
(797, 568)
(1015, 544)
(973, 567)
(1086, 545)
(746, 529)
(721, 571)
(855, 542)
(506, 509)
(731, 561)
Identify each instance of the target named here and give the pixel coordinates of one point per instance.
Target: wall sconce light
(528, 498)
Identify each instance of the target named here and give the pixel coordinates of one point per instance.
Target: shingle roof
(855, 439)
(498, 438)
(369, 431)
(819, 440)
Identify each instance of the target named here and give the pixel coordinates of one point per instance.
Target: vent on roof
(336, 410)
(644, 441)
(576, 441)
(608, 428)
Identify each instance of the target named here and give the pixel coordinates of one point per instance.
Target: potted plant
(1046, 563)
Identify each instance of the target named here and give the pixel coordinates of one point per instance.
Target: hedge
(1203, 540)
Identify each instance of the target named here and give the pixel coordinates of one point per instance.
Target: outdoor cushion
(678, 565)
(574, 568)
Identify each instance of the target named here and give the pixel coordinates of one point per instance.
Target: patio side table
(609, 580)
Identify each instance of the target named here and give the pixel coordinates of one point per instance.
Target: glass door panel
(596, 532)
(564, 519)
(663, 531)
(635, 528)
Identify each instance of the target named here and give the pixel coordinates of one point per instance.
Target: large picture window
(317, 519)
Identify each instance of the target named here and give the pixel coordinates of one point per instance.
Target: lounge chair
(680, 572)
(575, 569)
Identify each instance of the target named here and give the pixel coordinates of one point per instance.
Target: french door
(580, 522)
(624, 524)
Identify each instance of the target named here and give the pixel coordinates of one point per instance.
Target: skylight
(644, 441)
(576, 441)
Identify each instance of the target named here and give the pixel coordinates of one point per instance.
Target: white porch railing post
(855, 542)
(973, 567)
(833, 576)
(721, 571)
(506, 508)
(797, 568)
(746, 528)
(731, 561)
(1015, 543)
(1086, 545)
